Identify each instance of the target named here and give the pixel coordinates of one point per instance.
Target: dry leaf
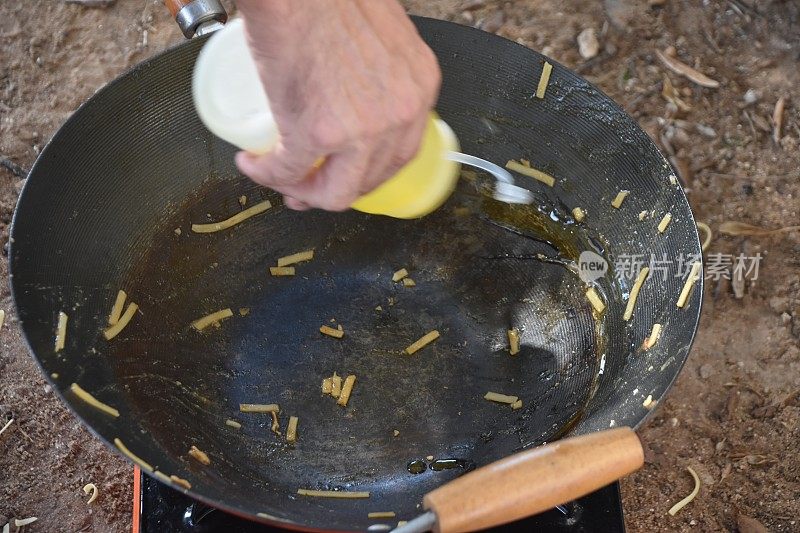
(777, 119)
(740, 228)
(685, 70)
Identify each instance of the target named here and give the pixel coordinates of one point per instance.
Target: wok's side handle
(197, 17)
(534, 481)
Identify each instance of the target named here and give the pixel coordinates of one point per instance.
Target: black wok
(100, 210)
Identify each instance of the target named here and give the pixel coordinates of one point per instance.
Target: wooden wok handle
(534, 481)
(194, 15)
(176, 5)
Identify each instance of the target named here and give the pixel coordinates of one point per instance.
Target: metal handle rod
(505, 190)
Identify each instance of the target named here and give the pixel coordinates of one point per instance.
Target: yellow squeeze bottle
(232, 104)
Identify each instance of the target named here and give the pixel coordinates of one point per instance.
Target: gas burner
(161, 509)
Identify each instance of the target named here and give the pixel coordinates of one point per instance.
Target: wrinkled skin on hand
(350, 83)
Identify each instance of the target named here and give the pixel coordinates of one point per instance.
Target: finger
(407, 148)
(336, 185)
(284, 165)
(295, 204)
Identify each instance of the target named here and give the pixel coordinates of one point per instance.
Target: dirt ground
(734, 415)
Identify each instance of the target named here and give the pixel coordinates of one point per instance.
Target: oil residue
(447, 464)
(417, 466)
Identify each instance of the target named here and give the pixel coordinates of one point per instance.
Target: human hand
(350, 81)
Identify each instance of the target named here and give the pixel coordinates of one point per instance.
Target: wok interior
(100, 212)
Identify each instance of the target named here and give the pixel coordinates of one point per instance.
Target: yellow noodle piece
(684, 502)
(327, 385)
(694, 275)
(199, 455)
(500, 398)
(202, 323)
(91, 400)
(281, 271)
(259, 407)
(299, 257)
(538, 175)
(291, 429)
(655, 333)
(516, 405)
(578, 214)
(232, 221)
(423, 342)
(115, 330)
(408, 282)
(332, 493)
(331, 332)
(381, 514)
(132, 456)
(544, 80)
(595, 300)
(276, 426)
(513, 341)
(116, 309)
(702, 226)
(642, 215)
(662, 226)
(336, 385)
(90, 487)
(347, 389)
(61, 331)
(637, 286)
(399, 275)
(616, 203)
(648, 402)
(402, 522)
(233, 423)
(180, 482)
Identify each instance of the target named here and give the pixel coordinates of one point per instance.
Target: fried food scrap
(276, 425)
(332, 493)
(616, 203)
(525, 170)
(117, 328)
(662, 226)
(244, 311)
(214, 318)
(500, 398)
(299, 257)
(648, 402)
(336, 385)
(422, 342)
(327, 385)
(180, 482)
(259, 407)
(516, 405)
(399, 275)
(233, 423)
(381, 514)
(116, 309)
(684, 502)
(643, 215)
(694, 275)
(547, 69)
(595, 300)
(232, 221)
(637, 286)
(408, 282)
(347, 389)
(651, 341)
(91, 400)
(291, 430)
(199, 455)
(61, 331)
(243, 200)
(282, 271)
(578, 214)
(513, 341)
(132, 456)
(90, 488)
(331, 332)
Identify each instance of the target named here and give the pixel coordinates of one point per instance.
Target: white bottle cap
(228, 94)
